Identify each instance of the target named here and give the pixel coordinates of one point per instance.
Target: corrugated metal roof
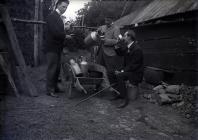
(156, 9)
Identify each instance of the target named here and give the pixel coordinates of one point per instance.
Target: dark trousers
(111, 63)
(53, 70)
(121, 78)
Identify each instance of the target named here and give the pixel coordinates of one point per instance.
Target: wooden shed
(19, 43)
(167, 32)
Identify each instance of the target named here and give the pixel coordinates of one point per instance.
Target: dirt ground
(47, 118)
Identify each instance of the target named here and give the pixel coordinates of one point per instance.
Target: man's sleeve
(99, 29)
(116, 32)
(121, 49)
(55, 27)
(112, 41)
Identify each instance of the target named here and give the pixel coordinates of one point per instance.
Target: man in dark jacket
(132, 70)
(55, 37)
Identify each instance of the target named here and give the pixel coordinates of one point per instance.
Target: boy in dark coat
(55, 37)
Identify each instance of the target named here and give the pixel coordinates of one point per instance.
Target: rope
(95, 94)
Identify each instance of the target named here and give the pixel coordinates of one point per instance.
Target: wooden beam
(36, 34)
(41, 54)
(94, 28)
(12, 36)
(18, 56)
(26, 21)
(6, 70)
(43, 22)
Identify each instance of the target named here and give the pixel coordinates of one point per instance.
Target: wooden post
(6, 70)
(36, 34)
(83, 17)
(27, 21)
(26, 81)
(41, 31)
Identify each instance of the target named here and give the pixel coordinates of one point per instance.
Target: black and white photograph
(99, 70)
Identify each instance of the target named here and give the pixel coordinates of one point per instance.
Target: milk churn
(75, 67)
(84, 66)
(92, 38)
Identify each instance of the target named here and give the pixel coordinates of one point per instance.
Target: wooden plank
(17, 51)
(6, 70)
(178, 30)
(12, 36)
(93, 28)
(36, 34)
(172, 61)
(29, 21)
(4, 41)
(41, 54)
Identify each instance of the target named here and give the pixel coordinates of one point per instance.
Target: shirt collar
(58, 11)
(129, 45)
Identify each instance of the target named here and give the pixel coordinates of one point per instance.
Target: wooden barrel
(132, 91)
(153, 76)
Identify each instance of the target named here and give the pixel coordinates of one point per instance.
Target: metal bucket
(91, 39)
(132, 91)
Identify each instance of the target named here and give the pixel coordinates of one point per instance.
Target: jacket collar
(132, 47)
(58, 11)
(130, 44)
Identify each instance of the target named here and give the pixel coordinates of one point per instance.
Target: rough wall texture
(24, 9)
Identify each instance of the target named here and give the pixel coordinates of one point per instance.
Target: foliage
(95, 11)
(77, 42)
